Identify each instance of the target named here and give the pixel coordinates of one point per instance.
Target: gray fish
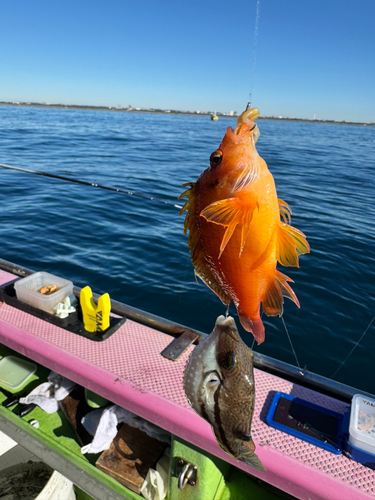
(219, 385)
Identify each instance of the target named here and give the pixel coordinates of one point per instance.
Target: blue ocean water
(135, 249)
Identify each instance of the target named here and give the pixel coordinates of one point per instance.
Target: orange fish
(236, 234)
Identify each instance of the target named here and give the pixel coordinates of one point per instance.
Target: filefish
(219, 385)
(239, 229)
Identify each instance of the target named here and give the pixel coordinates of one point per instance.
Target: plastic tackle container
(362, 423)
(15, 372)
(27, 290)
(94, 400)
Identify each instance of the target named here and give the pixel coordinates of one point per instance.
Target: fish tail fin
(248, 455)
(255, 326)
(291, 243)
(279, 287)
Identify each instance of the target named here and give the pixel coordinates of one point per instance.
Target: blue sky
(313, 57)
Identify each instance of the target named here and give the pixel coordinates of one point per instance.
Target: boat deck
(128, 369)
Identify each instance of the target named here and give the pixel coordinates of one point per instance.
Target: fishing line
(91, 184)
(291, 343)
(351, 352)
(254, 53)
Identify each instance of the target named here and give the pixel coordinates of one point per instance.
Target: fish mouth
(228, 324)
(248, 118)
(225, 321)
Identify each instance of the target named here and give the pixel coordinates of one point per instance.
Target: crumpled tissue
(155, 485)
(102, 424)
(48, 394)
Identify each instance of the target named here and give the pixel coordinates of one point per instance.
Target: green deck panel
(56, 433)
(71, 453)
(210, 473)
(242, 486)
(218, 480)
(80, 494)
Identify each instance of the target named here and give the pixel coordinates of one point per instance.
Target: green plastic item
(15, 372)
(94, 400)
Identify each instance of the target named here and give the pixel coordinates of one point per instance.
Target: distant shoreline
(174, 112)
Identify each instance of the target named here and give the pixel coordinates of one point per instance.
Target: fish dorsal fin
(201, 268)
(273, 302)
(291, 243)
(229, 213)
(285, 211)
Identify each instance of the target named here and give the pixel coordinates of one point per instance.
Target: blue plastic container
(307, 421)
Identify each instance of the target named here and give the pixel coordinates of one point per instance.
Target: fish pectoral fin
(248, 456)
(290, 244)
(229, 213)
(279, 288)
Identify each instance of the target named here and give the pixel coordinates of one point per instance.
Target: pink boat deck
(128, 369)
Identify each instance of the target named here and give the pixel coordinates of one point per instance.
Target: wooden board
(74, 407)
(131, 455)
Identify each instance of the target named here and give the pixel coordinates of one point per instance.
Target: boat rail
(263, 362)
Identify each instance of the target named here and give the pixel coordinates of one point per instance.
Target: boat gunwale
(294, 374)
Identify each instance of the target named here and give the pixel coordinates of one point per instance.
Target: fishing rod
(86, 183)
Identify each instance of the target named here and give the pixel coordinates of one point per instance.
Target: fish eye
(229, 361)
(216, 158)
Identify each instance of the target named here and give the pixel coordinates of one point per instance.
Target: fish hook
(227, 311)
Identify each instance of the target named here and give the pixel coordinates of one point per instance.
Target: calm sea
(135, 249)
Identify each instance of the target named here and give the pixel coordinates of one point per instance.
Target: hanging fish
(219, 385)
(236, 235)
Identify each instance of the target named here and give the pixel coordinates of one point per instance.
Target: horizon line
(130, 109)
